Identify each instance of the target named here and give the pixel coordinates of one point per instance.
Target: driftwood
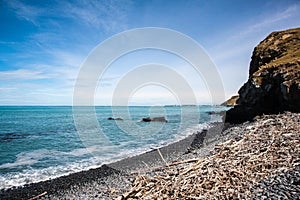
(234, 167)
(38, 196)
(151, 169)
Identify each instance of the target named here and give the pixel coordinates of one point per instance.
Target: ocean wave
(36, 175)
(81, 159)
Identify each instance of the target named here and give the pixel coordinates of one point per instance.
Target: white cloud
(40, 72)
(67, 58)
(23, 74)
(50, 94)
(7, 88)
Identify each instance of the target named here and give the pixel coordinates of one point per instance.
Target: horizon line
(107, 105)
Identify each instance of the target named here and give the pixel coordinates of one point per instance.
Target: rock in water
(112, 118)
(154, 119)
(273, 85)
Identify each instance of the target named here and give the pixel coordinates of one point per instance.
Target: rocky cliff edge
(273, 85)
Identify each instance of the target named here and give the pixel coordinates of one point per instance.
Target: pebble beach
(258, 159)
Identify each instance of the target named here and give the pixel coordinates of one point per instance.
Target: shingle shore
(253, 160)
(261, 160)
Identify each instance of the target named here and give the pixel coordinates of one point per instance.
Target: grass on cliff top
(288, 43)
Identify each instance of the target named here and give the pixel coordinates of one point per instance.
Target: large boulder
(273, 85)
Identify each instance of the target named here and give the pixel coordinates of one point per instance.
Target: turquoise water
(38, 143)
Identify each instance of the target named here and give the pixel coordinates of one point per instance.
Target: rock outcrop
(231, 102)
(273, 85)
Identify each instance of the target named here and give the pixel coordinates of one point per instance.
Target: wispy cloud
(47, 58)
(7, 88)
(23, 74)
(271, 19)
(248, 34)
(8, 43)
(25, 11)
(63, 77)
(55, 50)
(50, 94)
(232, 54)
(105, 15)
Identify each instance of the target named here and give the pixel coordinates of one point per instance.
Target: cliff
(273, 85)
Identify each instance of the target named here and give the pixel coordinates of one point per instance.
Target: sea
(38, 143)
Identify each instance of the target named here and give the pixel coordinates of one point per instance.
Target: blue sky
(44, 43)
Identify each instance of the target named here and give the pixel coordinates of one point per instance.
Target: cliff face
(274, 78)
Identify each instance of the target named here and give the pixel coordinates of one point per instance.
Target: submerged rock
(216, 112)
(273, 85)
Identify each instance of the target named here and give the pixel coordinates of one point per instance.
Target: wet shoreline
(124, 167)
